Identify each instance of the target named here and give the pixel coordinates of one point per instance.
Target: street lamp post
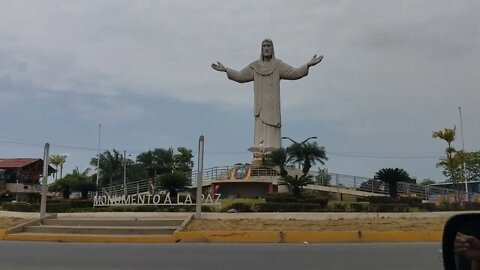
(303, 142)
(125, 172)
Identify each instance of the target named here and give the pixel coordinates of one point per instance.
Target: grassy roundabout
(381, 224)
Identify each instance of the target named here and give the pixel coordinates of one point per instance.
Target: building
(20, 179)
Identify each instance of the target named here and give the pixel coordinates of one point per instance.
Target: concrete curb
(307, 236)
(241, 237)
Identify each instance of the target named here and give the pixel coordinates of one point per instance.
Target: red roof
(14, 163)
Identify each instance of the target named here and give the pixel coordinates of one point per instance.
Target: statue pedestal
(257, 163)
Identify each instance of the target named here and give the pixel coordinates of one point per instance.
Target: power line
(234, 152)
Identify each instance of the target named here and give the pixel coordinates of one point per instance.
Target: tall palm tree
(451, 162)
(58, 161)
(448, 135)
(392, 177)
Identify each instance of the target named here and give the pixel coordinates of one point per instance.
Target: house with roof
(20, 179)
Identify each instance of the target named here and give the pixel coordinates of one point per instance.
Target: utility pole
(43, 200)
(463, 150)
(125, 173)
(98, 154)
(198, 208)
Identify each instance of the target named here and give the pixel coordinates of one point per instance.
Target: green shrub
(388, 208)
(338, 207)
(288, 207)
(81, 203)
(410, 201)
(21, 207)
(280, 198)
(362, 199)
(240, 207)
(58, 207)
(359, 207)
(427, 207)
(380, 200)
(322, 201)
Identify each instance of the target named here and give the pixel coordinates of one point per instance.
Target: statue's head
(267, 49)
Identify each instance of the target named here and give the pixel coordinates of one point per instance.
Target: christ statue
(266, 74)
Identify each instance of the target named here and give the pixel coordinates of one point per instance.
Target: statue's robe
(266, 76)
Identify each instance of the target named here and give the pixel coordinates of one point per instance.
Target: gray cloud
(392, 72)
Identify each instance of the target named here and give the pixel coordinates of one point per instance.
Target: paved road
(37, 255)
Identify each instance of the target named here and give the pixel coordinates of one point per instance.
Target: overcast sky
(393, 72)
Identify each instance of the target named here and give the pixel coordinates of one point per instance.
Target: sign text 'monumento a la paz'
(149, 199)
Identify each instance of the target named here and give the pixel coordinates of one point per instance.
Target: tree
(472, 165)
(427, 182)
(296, 183)
(173, 182)
(58, 161)
(451, 161)
(83, 183)
(448, 135)
(392, 177)
(74, 181)
(279, 158)
(323, 177)
(183, 160)
(157, 161)
(307, 154)
(111, 166)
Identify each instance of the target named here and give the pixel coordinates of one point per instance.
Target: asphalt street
(392, 256)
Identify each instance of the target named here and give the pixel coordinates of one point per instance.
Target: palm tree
(302, 153)
(452, 160)
(279, 158)
(308, 154)
(448, 135)
(111, 164)
(58, 161)
(296, 183)
(173, 182)
(392, 177)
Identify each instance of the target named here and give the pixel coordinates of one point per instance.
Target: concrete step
(105, 238)
(104, 230)
(112, 222)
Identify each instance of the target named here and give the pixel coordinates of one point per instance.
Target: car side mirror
(461, 242)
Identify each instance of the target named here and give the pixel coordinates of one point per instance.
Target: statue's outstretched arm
(219, 67)
(315, 60)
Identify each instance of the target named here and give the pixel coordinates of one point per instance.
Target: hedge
(288, 207)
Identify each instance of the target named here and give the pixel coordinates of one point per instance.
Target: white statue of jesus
(266, 74)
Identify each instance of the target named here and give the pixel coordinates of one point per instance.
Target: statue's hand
(219, 67)
(315, 60)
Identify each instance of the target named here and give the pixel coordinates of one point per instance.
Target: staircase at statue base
(99, 229)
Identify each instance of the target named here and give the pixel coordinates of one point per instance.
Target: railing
(379, 187)
(331, 179)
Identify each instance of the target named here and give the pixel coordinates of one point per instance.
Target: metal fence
(331, 179)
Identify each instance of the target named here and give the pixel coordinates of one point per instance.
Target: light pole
(463, 150)
(303, 142)
(125, 172)
(98, 153)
